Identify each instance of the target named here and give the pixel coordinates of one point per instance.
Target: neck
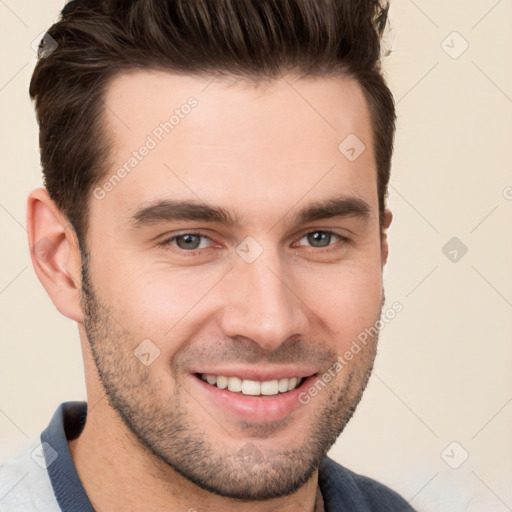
(118, 473)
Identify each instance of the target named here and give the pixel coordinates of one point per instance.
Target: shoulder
(25, 484)
(343, 489)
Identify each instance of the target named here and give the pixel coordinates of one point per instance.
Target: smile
(253, 387)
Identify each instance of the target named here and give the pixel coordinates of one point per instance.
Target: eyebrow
(169, 210)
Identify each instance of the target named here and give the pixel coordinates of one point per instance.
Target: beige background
(444, 369)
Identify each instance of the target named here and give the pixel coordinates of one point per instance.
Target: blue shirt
(44, 477)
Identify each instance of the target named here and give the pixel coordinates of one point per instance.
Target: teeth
(252, 387)
(234, 384)
(222, 382)
(211, 379)
(283, 385)
(292, 383)
(269, 387)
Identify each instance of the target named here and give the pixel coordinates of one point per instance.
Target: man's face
(243, 243)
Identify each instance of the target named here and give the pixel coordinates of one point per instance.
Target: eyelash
(342, 240)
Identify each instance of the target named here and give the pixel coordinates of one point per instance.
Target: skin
(262, 153)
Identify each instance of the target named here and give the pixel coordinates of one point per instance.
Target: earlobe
(55, 253)
(388, 217)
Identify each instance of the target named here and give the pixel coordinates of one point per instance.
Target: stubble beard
(165, 431)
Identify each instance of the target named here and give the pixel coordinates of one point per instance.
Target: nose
(263, 303)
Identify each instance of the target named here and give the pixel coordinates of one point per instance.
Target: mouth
(252, 387)
(273, 398)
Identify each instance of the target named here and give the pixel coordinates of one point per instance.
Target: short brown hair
(256, 39)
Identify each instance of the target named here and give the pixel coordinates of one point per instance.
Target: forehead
(204, 137)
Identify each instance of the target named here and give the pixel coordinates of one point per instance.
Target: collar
(67, 424)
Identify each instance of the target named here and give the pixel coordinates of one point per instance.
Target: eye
(320, 239)
(189, 241)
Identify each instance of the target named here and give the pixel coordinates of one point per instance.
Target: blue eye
(321, 239)
(189, 241)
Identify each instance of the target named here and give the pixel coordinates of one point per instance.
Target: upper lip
(260, 374)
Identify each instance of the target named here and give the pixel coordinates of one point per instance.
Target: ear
(55, 253)
(388, 217)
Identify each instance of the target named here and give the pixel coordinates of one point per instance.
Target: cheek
(347, 298)
(157, 304)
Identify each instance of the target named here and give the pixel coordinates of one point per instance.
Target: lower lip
(258, 409)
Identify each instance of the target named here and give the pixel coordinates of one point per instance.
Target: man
(214, 220)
